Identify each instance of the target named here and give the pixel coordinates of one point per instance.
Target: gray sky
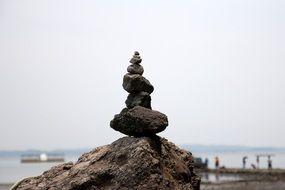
(218, 68)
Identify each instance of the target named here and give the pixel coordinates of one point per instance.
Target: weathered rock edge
(145, 163)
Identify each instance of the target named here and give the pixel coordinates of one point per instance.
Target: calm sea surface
(12, 170)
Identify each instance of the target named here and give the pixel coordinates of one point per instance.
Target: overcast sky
(218, 69)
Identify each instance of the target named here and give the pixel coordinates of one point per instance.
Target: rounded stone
(135, 69)
(136, 83)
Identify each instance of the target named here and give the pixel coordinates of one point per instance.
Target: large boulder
(136, 83)
(139, 121)
(138, 99)
(146, 163)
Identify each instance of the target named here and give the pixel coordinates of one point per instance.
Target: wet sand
(247, 180)
(246, 185)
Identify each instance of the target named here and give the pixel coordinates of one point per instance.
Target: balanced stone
(135, 69)
(136, 83)
(139, 99)
(139, 121)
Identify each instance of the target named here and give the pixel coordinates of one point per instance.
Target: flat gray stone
(139, 121)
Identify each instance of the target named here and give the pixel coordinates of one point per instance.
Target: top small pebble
(136, 58)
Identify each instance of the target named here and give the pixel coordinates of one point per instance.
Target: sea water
(12, 170)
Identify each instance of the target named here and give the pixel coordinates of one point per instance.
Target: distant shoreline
(191, 147)
(271, 172)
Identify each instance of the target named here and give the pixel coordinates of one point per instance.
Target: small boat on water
(35, 158)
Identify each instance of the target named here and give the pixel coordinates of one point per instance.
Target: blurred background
(217, 68)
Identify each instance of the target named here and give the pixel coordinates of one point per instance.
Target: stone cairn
(145, 161)
(138, 119)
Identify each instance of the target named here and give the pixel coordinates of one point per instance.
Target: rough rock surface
(128, 163)
(136, 83)
(139, 121)
(139, 99)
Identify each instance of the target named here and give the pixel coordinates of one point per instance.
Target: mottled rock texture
(146, 163)
(136, 83)
(139, 121)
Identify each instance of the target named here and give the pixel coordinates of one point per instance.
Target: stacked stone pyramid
(138, 119)
(138, 86)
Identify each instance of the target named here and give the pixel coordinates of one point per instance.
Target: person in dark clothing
(269, 163)
(244, 162)
(206, 162)
(217, 163)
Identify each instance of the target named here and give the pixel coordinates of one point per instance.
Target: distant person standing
(257, 161)
(244, 162)
(269, 163)
(206, 162)
(217, 162)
